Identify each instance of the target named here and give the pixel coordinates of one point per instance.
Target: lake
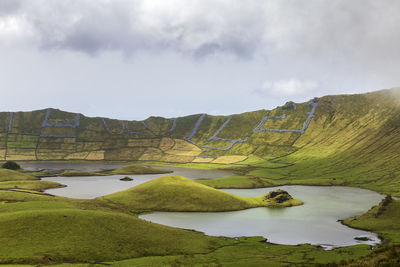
(56, 166)
(315, 222)
(87, 187)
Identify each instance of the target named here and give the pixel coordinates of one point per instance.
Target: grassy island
(177, 193)
(72, 173)
(138, 169)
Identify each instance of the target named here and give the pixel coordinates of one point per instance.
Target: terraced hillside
(342, 139)
(57, 135)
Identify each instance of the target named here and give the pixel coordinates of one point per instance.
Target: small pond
(315, 222)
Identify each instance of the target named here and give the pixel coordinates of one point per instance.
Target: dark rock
(275, 193)
(362, 238)
(278, 196)
(282, 198)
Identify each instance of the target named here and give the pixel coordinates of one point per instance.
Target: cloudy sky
(132, 59)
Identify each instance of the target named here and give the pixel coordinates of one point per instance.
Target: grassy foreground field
(58, 233)
(43, 229)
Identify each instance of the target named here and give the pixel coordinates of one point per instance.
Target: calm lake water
(88, 187)
(315, 222)
(56, 166)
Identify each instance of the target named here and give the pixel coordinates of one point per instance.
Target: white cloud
(141, 49)
(360, 30)
(15, 29)
(288, 88)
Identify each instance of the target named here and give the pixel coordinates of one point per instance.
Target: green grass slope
(11, 175)
(176, 193)
(70, 235)
(383, 219)
(30, 185)
(383, 257)
(253, 251)
(353, 140)
(24, 180)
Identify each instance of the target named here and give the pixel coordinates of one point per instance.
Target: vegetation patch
(253, 251)
(229, 159)
(71, 173)
(143, 142)
(12, 175)
(77, 155)
(151, 153)
(133, 153)
(166, 143)
(95, 155)
(138, 169)
(183, 148)
(11, 165)
(177, 193)
(237, 181)
(383, 219)
(3, 154)
(203, 159)
(86, 235)
(177, 158)
(21, 154)
(385, 256)
(29, 185)
(362, 238)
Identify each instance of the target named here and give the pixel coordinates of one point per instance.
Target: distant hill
(340, 137)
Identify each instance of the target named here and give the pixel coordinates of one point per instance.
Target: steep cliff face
(356, 135)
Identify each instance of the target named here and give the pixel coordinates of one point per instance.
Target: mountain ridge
(347, 139)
